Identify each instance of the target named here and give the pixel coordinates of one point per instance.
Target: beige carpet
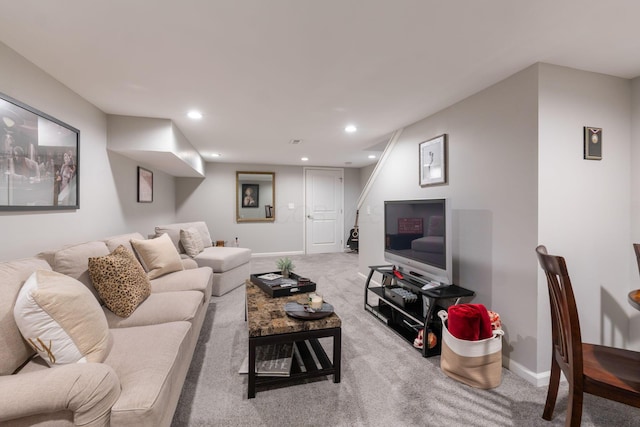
(385, 381)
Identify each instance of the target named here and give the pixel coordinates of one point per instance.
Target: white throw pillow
(61, 319)
(201, 226)
(158, 256)
(191, 241)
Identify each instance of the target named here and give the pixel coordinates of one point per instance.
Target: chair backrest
(636, 248)
(567, 341)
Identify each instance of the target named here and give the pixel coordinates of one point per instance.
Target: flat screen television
(417, 238)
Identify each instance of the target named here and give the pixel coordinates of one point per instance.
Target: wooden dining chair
(608, 372)
(636, 249)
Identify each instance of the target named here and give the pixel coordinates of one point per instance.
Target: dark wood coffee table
(269, 324)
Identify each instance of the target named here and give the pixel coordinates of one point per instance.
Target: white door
(324, 213)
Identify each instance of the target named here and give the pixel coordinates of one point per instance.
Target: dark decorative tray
(301, 311)
(279, 287)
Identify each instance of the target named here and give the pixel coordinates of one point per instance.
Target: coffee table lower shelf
(315, 362)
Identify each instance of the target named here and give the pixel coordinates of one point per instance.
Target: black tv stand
(408, 318)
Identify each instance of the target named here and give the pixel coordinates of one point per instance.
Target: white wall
(107, 180)
(585, 204)
(213, 200)
(493, 189)
(518, 178)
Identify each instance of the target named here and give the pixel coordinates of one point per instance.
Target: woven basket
(475, 363)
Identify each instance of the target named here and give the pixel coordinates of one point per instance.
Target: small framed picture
(250, 195)
(433, 161)
(145, 185)
(592, 143)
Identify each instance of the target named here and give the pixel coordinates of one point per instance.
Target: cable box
(400, 296)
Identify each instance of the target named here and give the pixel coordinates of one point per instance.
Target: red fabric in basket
(469, 322)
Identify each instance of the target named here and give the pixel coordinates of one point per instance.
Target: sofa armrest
(88, 390)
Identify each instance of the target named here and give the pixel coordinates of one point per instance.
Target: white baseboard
(267, 254)
(537, 379)
(373, 281)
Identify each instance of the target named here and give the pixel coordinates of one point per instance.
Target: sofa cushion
(222, 258)
(14, 350)
(174, 235)
(163, 307)
(173, 230)
(73, 261)
(191, 241)
(124, 240)
(189, 263)
(197, 279)
(158, 256)
(232, 279)
(120, 280)
(148, 378)
(61, 319)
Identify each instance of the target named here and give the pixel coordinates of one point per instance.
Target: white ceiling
(264, 72)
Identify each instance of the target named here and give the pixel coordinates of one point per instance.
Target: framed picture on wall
(250, 195)
(592, 143)
(433, 161)
(39, 160)
(145, 185)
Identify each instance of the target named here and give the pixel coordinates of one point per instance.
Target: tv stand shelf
(407, 319)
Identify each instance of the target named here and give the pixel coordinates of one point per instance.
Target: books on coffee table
(270, 276)
(272, 360)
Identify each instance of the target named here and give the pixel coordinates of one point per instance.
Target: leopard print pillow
(120, 280)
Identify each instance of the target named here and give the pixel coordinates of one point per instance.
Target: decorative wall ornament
(145, 185)
(433, 161)
(255, 196)
(250, 195)
(592, 143)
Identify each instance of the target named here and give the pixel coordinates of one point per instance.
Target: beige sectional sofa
(231, 265)
(148, 355)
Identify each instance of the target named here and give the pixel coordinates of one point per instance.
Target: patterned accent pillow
(120, 280)
(191, 241)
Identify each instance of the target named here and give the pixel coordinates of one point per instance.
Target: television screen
(417, 237)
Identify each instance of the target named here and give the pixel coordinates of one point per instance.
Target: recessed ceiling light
(214, 155)
(350, 128)
(305, 159)
(372, 156)
(193, 114)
